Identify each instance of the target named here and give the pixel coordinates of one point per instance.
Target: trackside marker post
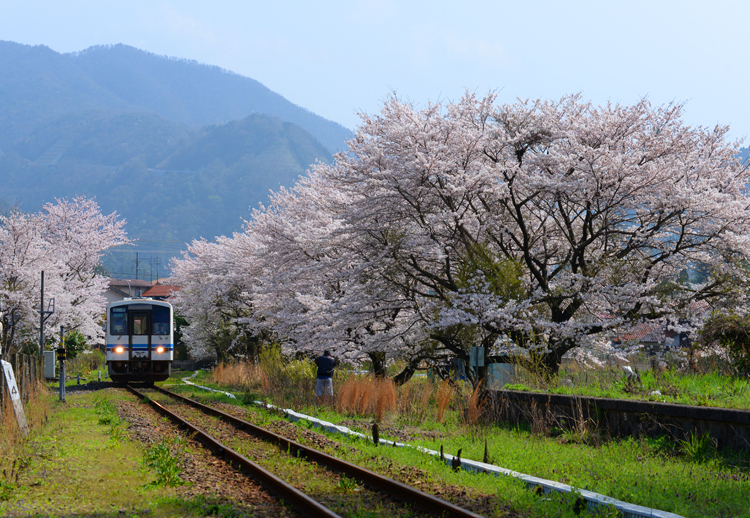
(61, 357)
(15, 397)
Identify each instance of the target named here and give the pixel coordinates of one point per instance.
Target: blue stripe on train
(140, 347)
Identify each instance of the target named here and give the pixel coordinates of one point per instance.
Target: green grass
(712, 389)
(688, 477)
(81, 463)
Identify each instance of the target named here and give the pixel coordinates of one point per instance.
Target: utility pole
(41, 320)
(136, 265)
(151, 262)
(43, 316)
(61, 353)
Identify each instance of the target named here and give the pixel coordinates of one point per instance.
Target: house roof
(162, 290)
(133, 283)
(649, 332)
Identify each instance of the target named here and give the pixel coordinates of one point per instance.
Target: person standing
(326, 364)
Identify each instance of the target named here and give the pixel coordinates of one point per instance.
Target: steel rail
(392, 487)
(303, 503)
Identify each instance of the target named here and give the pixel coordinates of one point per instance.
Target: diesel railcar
(140, 340)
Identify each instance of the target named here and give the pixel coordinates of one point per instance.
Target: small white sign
(15, 397)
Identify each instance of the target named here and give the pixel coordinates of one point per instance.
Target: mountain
(179, 149)
(39, 85)
(171, 182)
(103, 138)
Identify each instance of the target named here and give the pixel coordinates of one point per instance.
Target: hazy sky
(339, 58)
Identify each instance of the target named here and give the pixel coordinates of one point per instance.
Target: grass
(670, 386)
(166, 460)
(78, 461)
(72, 459)
(688, 477)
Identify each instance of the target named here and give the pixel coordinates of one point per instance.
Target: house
(161, 291)
(120, 289)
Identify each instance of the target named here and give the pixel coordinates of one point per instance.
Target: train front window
(160, 315)
(118, 321)
(140, 323)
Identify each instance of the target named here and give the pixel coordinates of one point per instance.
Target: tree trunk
(549, 363)
(406, 374)
(378, 364)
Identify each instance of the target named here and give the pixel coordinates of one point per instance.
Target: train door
(140, 335)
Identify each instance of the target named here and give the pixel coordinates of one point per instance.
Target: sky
(341, 58)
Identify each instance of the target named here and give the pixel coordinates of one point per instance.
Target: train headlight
(119, 349)
(160, 349)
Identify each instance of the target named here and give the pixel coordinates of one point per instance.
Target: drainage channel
(396, 490)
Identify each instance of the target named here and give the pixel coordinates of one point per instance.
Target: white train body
(140, 340)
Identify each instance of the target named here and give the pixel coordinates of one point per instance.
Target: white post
(15, 398)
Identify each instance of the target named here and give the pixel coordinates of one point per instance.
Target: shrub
(731, 332)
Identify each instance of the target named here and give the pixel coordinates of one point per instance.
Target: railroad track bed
(345, 494)
(205, 475)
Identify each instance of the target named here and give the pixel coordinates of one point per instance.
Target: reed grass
(367, 395)
(445, 393)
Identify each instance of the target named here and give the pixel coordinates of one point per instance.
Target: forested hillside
(172, 184)
(179, 149)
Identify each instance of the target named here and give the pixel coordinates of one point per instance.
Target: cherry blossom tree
(214, 300)
(65, 240)
(542, 224)
(533, 229)
(305, 273)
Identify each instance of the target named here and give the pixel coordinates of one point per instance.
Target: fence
(27, 370)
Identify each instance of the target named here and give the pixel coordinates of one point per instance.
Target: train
(140, 340)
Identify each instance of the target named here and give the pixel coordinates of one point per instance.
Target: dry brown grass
(414, 400)
(293, 384)
(475, 406)
(36, 410)
(283, 382)
(244, 377)
(367, 395)
(443, 397)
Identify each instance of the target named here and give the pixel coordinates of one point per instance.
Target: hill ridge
(123, 78)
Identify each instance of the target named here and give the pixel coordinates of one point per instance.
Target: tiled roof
(644, 332)
(161, 290)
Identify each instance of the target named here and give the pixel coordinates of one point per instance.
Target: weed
(699, 448)
(367, 395)
(10, 482)
(475, 406)
(6, 490)
(106, 411)
(348, 485)
(108, 416)
(164, 460)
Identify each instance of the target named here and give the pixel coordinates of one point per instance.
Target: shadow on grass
(197, 506)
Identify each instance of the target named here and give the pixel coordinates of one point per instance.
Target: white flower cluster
(548, 225)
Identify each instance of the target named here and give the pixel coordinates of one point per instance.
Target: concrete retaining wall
(623, 417)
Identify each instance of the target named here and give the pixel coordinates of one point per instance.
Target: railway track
(253, 441)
